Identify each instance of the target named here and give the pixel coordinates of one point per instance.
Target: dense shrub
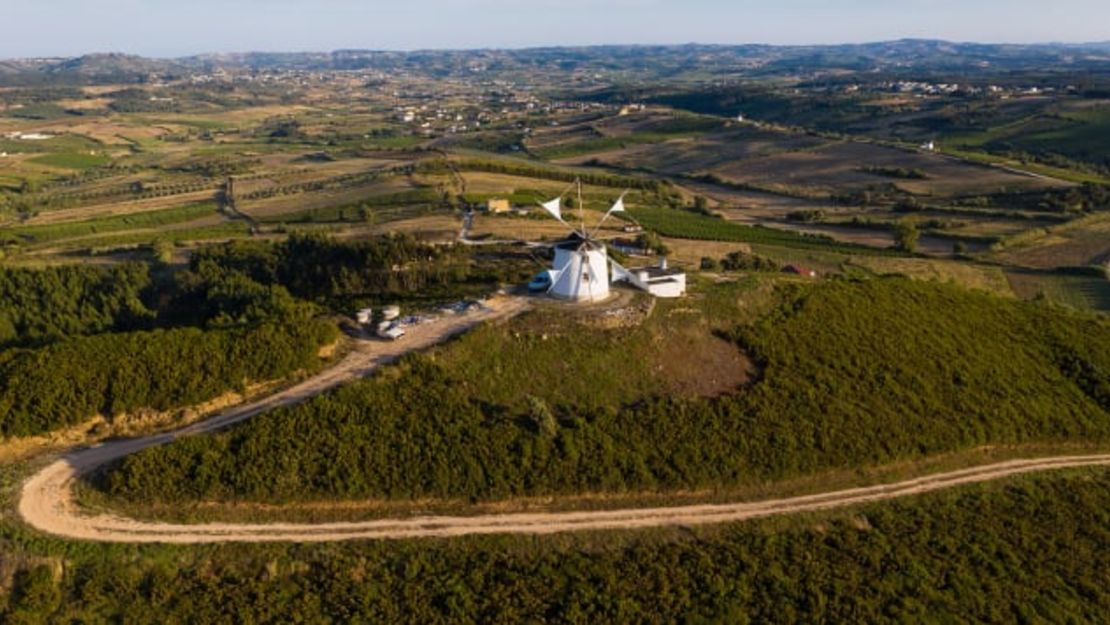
(42, 305)
(853, 373)
(323, 269)
(70, 381)
(739, 261)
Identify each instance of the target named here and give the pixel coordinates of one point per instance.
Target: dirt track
(46, 501)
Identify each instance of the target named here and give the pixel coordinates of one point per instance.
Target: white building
(365, 316)
(660, 280)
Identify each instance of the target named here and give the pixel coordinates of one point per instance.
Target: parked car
(541, 283)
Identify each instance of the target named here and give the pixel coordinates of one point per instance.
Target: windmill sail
(618, 272)
(618, 206)
(555, 207)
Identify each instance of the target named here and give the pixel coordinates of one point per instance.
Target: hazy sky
(181, 27)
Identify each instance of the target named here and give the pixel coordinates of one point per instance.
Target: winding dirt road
(46, 502)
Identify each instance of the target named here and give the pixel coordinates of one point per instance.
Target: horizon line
(508, 48)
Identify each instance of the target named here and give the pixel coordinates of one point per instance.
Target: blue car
(541, 283)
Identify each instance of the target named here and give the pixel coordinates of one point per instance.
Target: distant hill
(88, 69)
(95, 66)
(907, 55)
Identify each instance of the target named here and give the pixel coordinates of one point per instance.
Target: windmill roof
(577, 243)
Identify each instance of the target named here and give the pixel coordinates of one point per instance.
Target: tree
(542, 417)
(701, 204)
(652, 243)
(906, 235)
(163, 250)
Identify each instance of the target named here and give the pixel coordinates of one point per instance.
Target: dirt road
(46, 501)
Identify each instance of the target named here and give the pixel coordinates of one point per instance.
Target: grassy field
(1073, 132)
(1083, 241)
(689, 225)
(1056, 173)
(70, 230)
(110, 243)
(370, 209)
(978, 277)
(73, 160)
(613, 133)
(1078, 292)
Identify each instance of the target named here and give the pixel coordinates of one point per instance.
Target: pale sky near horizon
(166, 28)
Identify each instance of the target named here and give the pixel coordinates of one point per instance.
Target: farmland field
(1073, 131)
(1082, 244)
(72, 160)
(838, 166)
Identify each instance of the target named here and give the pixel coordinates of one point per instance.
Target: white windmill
(580, 272)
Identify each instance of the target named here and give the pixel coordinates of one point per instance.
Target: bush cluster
(852, 373)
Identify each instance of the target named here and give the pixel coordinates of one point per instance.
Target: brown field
(437, 227)
(688, 253)
(847, 234)
(488, 183)
(321, 199)
(835, 168)
(982, 277)
(552, 136)
(526, 229)
(483, 182)
(1080, 292)
(699, 154)
(1000, 227)
(1085, 244)
(251, 114)
(287, 169)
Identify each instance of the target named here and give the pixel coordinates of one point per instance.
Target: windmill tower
(580, 272)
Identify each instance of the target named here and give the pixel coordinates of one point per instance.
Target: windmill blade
(554, 207)
(617, 267)
(589, 273)
(618, 207)
(555, 277)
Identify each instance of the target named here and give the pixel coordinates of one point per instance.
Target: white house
(659, 280)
